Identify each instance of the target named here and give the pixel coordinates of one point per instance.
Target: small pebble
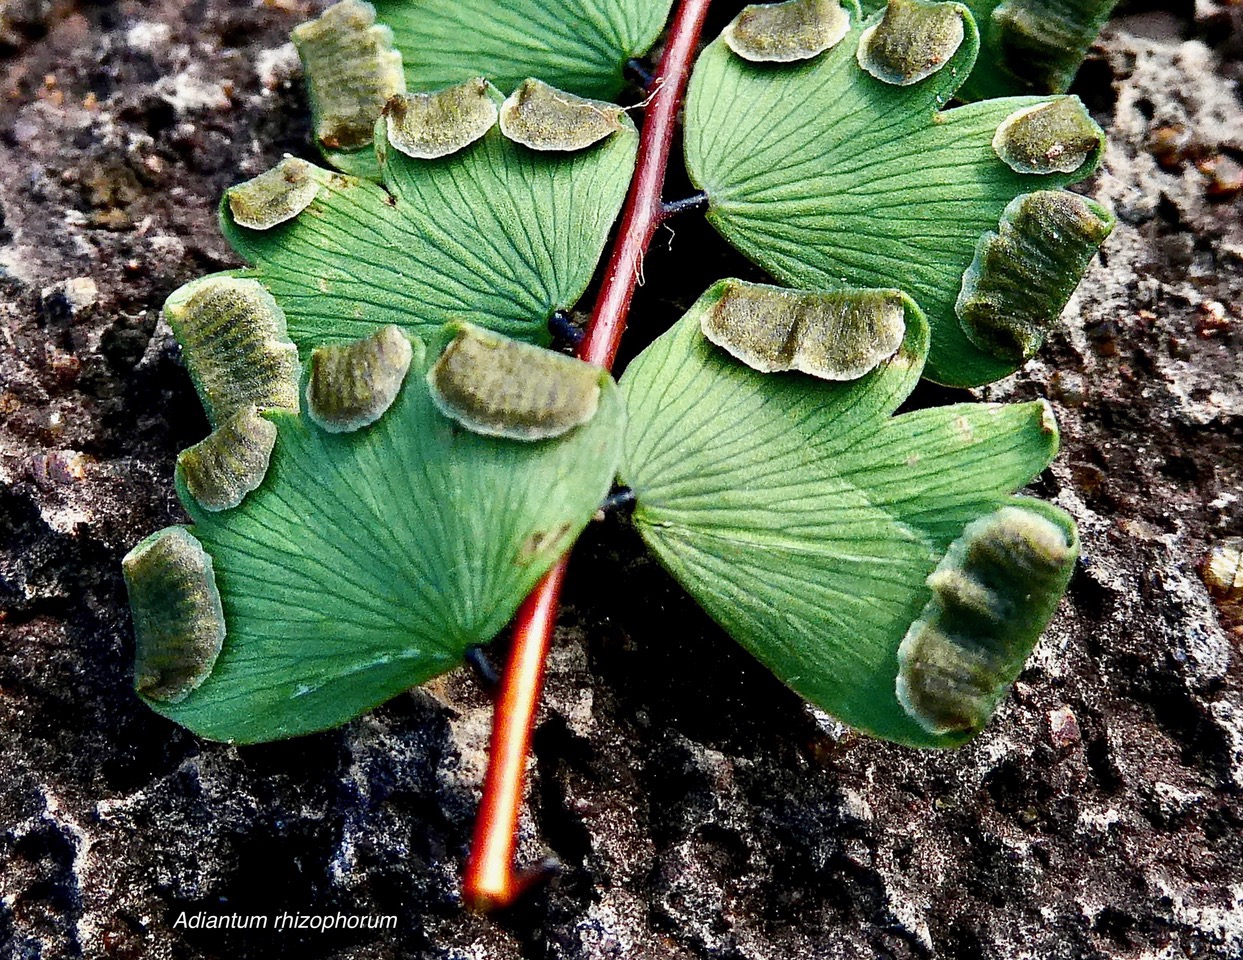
(57, 468)
(1068, 388)
(1223, 575)
(1212, 320)
(1167, 145)
(1063, 727)
(69, 299)
(1223, 177)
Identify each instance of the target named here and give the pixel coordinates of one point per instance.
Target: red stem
(644, 209)
(490, 881)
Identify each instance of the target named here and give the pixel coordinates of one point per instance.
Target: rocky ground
(701, 811)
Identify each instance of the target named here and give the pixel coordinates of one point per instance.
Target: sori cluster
(397, 456)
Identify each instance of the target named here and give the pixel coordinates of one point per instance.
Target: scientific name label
(203, 920)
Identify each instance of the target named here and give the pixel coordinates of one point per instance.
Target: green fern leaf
(366, 561)
(827, 176)
(495, 233)
(577, 45)
(809, 523)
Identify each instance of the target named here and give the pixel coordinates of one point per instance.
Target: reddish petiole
(490, 881)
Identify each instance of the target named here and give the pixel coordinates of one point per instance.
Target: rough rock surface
(701, 811)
